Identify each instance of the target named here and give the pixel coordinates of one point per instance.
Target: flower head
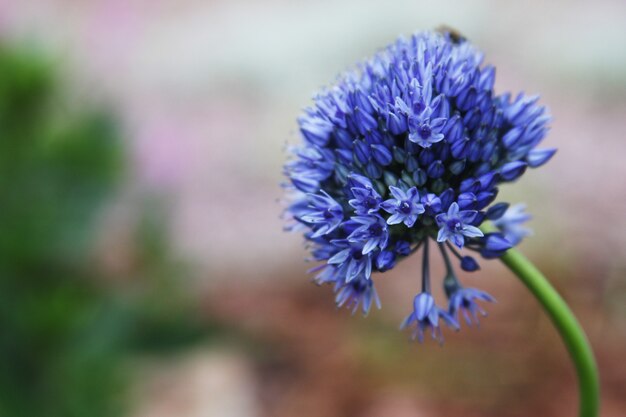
(412, 147)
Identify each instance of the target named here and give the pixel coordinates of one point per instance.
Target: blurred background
(143, 266)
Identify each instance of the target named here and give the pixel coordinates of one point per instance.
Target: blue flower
(404, 207)
(372, 231)
(314, 164)
(455, 225)
(324, 214)
(431, 203)
(357, 292)
(493, 245)
(469, 264)
(351, 260)
(427, 132)
(403, 248)
(425, 316)
(511, 224)
(385, 260)
(366, 200)
(411, 148)
(463, 300)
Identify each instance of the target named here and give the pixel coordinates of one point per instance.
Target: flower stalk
(568, 327)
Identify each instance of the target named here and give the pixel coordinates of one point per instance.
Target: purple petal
(395, 218)
(339, 257)
(368, 267)
(389, 205)
(443, 235)
(410, 220)
(370, 245)
(538, 157)
(423, 304)
(458, 240)
(472, 231)
(437, 123)
(467, 216)
(453, 210)
(398, 193)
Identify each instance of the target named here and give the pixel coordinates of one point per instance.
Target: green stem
(570, 330)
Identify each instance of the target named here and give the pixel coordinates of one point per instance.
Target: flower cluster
(411, 147)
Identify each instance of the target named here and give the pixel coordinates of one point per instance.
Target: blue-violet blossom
(411, 148)
(404, 207)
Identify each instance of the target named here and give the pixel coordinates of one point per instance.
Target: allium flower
(411, 148)
(366, 200)
(425, 316)
(323, 214)
(350, 260)
(426, 132)
(463, 300)
(510, 224)
(403, 207)
(455, 225)
(357, 292)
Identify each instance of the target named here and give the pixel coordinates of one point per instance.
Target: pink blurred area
(208, 93)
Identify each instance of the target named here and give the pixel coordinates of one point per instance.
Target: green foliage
(65, 334)
(59, 335)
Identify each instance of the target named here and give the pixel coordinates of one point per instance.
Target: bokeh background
(143, 266)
